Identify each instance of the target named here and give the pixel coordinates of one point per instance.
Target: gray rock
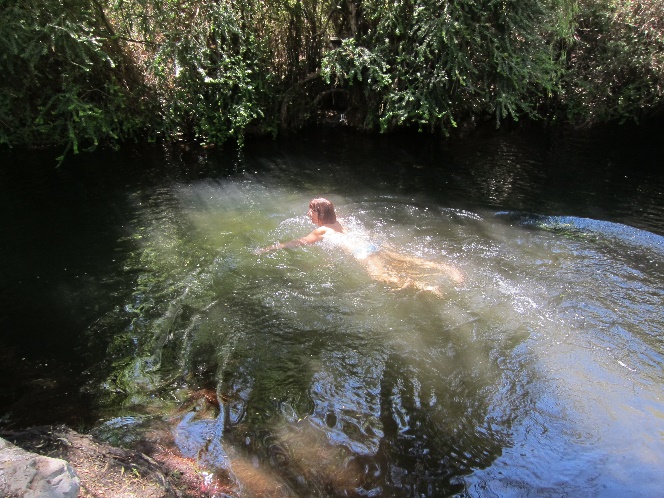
(27, 475)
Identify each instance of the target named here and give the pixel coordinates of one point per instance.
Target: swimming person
(382, 264)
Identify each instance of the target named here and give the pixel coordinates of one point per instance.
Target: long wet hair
(324, 209)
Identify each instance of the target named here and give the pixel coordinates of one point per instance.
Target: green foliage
(60, 83)
(78, 73)
(351, 63)
(207, 63)
(616, 69)
(453, 60)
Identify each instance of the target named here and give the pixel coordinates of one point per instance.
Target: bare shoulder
(337, 227)
(327, 230)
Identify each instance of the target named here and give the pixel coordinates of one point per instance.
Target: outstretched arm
(312, 238)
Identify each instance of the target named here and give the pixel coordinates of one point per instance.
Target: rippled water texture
(294, 373)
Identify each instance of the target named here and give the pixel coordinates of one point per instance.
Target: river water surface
(134, 305)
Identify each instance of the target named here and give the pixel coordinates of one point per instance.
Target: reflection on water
(294, 373)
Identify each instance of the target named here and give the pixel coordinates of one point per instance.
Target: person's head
(323, 209)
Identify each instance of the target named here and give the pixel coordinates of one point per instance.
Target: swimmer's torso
(360, 248)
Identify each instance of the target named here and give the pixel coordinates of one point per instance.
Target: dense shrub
(63, 81)
(431, 63)
(616, 65)
(78, 73)
(204, 62)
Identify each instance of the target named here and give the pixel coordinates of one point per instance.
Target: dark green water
(133, 305)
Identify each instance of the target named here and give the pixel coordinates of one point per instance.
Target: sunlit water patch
(540, 373)
(597, 424)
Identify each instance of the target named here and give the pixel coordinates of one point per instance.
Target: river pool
(134, 306)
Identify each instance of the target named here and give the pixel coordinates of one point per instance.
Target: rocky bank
(57, 462)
